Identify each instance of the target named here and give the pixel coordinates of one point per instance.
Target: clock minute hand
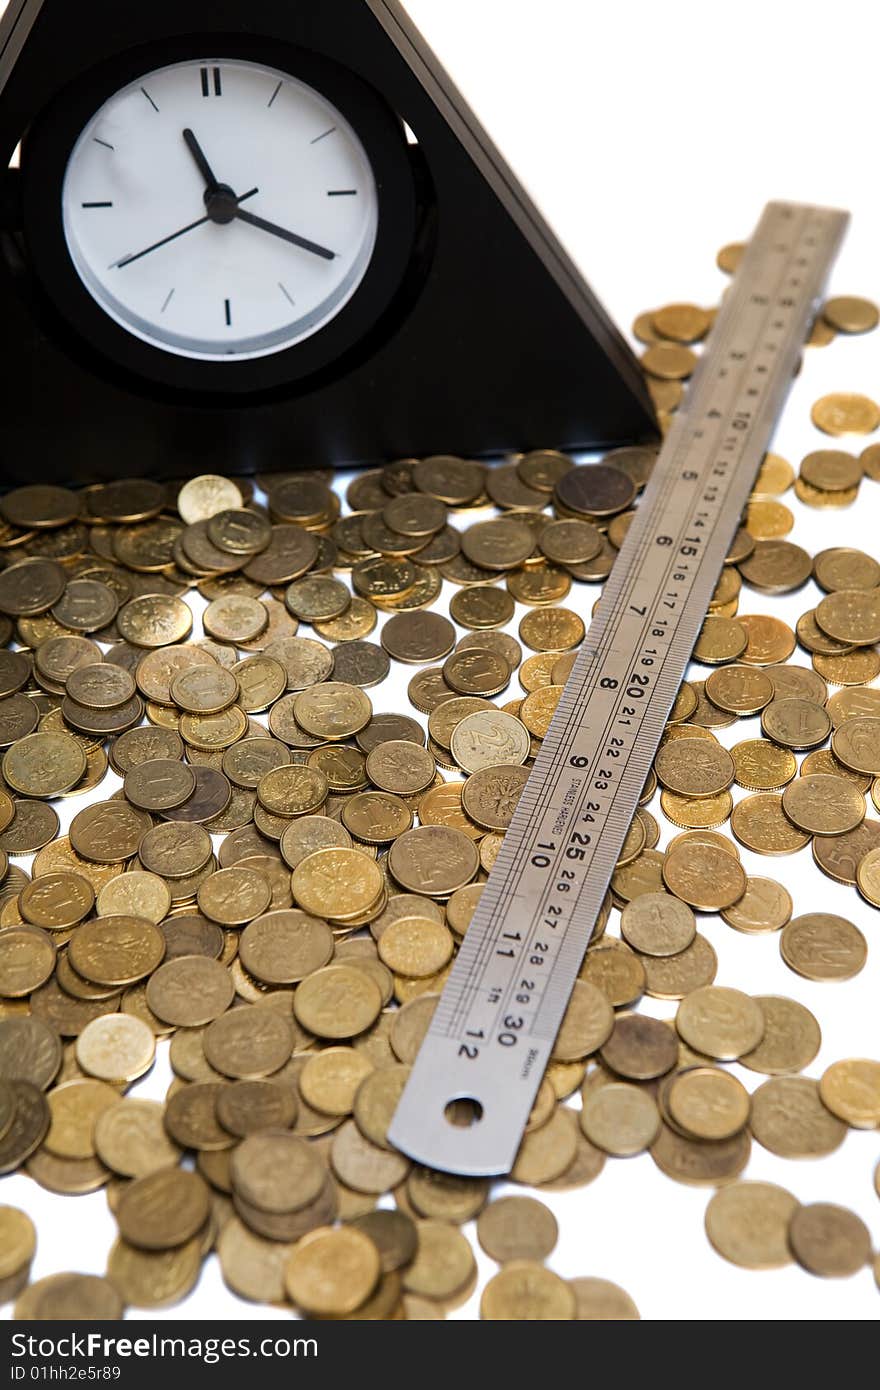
(199, 222)
(285, 235)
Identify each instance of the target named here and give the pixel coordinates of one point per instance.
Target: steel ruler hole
(463, 1112)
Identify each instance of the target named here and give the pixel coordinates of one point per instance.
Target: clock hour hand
(198, 155)
(292, 237)
(199, 222)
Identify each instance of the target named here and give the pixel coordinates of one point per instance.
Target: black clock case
(473, 332)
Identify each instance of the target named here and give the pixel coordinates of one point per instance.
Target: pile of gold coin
(275, 876)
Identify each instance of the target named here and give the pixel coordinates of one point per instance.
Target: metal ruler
(494, 1027)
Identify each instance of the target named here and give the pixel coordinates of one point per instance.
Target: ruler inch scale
(496, 1022)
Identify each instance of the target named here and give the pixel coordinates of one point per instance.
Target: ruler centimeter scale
(495, 1024)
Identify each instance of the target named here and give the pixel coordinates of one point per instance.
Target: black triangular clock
(270, 233)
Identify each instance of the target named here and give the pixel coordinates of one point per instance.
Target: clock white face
(220, 210)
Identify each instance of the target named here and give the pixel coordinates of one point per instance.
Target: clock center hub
(221, 202)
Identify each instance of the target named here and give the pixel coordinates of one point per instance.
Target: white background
(650, 135)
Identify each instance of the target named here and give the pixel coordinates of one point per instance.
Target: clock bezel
(46, 151)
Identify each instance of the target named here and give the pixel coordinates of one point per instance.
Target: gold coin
(154, 1278)
(766, 520)
(707, 1103)
(551, 630)
(489, 738)
(668, 362)
(146, 892)
(44, 765)
(416, 947)
(116, 1047)
(682, 323)
(856, 744)
(362, 1165)
(853, 704)
(870, 461)
(444, 1264)
(765, 906)
(276, 1172)
(336, 883)
(539, 584)
(673, 977)
(845, 413)
(538, 708)
(849, 314)
(868, 877)
(698, 1164)
(18, 1242)
(252, 1266)
(823, 946)
(27, 960)
(704, 877)
(640, 1048)
(748, 1223)
(820, 497)
(598, 1300)
(851, 616)
(116, 951)
(775, 476)
(616, 971)
(739, 690)
(730, 256)
(498, 545)
(332, 710)
(762, 766)
(248, 1044)
(285, 945)
(189, 991)
(442, 805)
(69, 1297)
(850, 1089)
(338, 1001)
(770, 639)
(795, 723)
(694, 767)
(704, 837)
(481, 607)
(823, 804)
(760, 824)
(433, 860)
(587, 1023)
(792, 1037)
(850, 668)
(517, 1228)
(329, 1080)
(74, 1107)
(331, 1272)
(643, 875)
(620, 1119)
(839, 856)
(789, 1119)
(376, 817)
(831, 470)
(658, 924)
(719, 1022)
(131, 1138)
(490, 796)
(829, 1240)
(163, 1209)
(546, 1153)
(527, 1290)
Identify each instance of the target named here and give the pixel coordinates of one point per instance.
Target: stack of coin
(277, 875)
